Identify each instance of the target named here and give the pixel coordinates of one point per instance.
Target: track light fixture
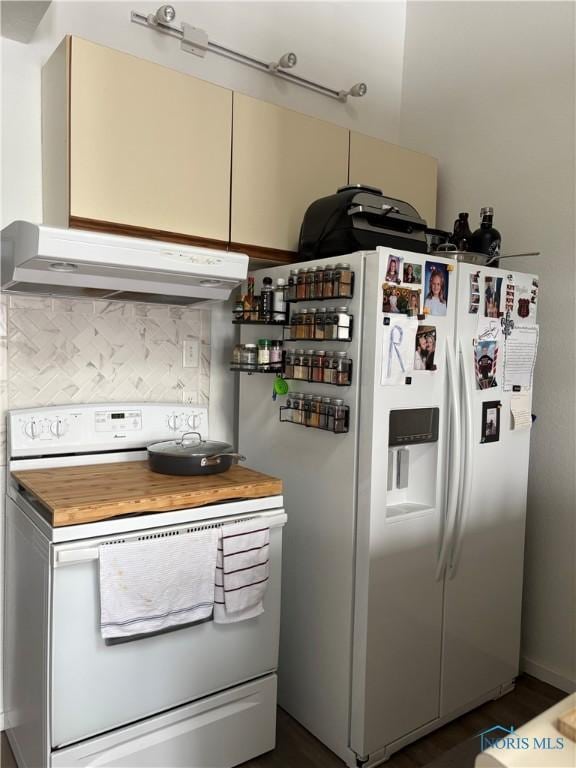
(195, 40)
(287, 61)
(360, 89)
(164, 15)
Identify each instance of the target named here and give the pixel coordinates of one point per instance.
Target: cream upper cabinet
(281, 162)
(398, 172)
(147, 146)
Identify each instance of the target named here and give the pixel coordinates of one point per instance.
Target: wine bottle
(486, 239)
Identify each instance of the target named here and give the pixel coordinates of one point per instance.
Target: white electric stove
(202, 696)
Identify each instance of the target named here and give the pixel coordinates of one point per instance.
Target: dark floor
(453, 746)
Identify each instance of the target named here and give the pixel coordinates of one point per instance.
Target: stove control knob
(33, 429)
(174, 422)
(59, 427)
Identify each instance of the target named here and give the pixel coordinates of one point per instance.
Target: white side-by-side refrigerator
(403, 555)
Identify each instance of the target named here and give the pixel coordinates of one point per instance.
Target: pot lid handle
(185, 435)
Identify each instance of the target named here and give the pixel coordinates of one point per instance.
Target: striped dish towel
(150, 585)
(242, 570)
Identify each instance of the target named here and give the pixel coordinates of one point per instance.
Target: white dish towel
(151, 585)
(242, 571)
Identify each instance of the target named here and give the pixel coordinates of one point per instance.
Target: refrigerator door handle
(455, 456)
(460, 523)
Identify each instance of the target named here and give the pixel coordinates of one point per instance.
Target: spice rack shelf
(272, 368)
(338, 374)
(277, 323)
(345, 331)
(314, 291)
(327, 422)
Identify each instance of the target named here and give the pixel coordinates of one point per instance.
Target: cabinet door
(281, 162)
(149, 147)
(398, 172)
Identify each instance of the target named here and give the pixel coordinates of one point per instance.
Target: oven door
(97, 687)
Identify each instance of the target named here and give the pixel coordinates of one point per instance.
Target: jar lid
(322, 352)
(308, 397)
(331, 309)
(280, 281)
(322, 309)
(342, 354)
(328, 266)
(299, 351)
(309, 351)
(337, 401)
(312, 310)
(342, 266)
(264, 342)
(293, 271)
(318, 398)
(342, 309)
(311, 269)
(326, 399)
(249, 346)
(301, 270)
(303, 312)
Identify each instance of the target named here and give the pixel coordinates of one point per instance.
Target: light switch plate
(190, 353)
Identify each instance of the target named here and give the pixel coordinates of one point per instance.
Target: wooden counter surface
(83, 494)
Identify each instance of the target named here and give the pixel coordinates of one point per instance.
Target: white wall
(489, 90)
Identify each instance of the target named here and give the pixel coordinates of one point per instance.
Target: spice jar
(314, 420)
(318, 282)
(298, 370)
(310, 277)
(342, 281)
(289, 364)
(301, 284)
(307, 364)
(327, 281)
(330, 324)
(276, 352)
(295, 402)
(327, 372)
(339, 412)
(264, 347)
(237, 354)
(307, 408)
(297, 327)
(249, 355)
(317, 372)
(291, 287)
(319, 327)
(309, 319)
(343, 369)
(343, 323)
(324, 412)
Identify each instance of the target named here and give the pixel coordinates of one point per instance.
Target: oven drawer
(98, 687)
(217, 732)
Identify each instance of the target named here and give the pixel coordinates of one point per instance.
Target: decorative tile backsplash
(76, 351)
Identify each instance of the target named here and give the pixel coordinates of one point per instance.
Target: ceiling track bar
(195, 41)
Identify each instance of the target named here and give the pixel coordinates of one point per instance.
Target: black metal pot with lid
(191, 457)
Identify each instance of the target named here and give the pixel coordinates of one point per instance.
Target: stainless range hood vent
(74, 263)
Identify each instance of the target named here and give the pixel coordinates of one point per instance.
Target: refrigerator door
(485, 565)
(402, 494)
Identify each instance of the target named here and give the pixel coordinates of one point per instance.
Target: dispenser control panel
(411, 426)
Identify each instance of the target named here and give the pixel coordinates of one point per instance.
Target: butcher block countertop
(84, 494)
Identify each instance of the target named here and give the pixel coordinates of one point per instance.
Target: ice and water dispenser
(412, 460)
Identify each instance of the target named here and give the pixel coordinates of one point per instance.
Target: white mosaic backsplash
(74, 351)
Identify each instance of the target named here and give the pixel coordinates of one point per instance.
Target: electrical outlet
(190, 353)
(190, 396)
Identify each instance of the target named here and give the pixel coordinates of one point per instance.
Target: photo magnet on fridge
(425, 348)
(474, 294)
(492, 294)
(393, 269)
(490, 432)
(400, 301)
(436, 288)
(485, 360)
(412, 273)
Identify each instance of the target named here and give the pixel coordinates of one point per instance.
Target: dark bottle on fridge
(486, 239)
(266, 299)
(462, 236)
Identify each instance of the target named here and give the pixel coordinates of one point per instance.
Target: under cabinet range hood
(79, 264)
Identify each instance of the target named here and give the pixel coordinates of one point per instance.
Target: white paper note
(520, 356)
(398, 344)
(520, 411)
